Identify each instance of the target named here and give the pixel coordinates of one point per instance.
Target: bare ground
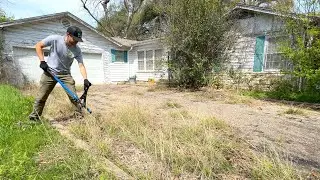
(262, 124)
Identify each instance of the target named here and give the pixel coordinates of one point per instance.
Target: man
(63, 49)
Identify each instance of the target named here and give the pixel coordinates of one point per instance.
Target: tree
(302, 49)
(151, 21)
(129, 9)
(3, 17)
(198, 40)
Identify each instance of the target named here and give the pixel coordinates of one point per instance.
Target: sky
(30, 8)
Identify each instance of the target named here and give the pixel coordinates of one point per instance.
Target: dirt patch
(262, 124)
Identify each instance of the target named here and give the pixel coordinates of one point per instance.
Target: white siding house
(106, 59)
(149, 60)
(114, 59)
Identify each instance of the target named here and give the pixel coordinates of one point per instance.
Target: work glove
(86, 84)
(44, 66)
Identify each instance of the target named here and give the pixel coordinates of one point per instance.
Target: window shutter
(125, 58)
(113, 55)
(259, 54)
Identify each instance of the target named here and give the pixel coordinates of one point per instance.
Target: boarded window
(140, 60)
(149, 60)
(259, 54)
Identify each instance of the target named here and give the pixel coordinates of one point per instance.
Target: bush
(197, 40)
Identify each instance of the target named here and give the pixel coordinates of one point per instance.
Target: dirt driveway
(262, 124)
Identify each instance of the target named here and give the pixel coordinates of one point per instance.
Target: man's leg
(70, 83)
(46, 86)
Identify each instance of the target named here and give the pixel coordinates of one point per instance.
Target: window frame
(114, 56)
(268, 56)
(153, 59)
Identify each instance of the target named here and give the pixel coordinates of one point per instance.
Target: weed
(295, 111)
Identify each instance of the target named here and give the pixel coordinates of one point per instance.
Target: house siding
(145, 75)
(28, 34)
(247, 30)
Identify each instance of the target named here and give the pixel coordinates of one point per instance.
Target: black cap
(75, 32)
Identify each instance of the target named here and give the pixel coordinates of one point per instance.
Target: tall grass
(18, 140)
(35, 150)
(204, 147)
(188, 145)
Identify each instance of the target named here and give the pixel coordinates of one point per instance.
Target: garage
(28, 61)
(94, 66)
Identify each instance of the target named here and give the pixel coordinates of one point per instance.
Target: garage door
(94, 66)
(29, 63)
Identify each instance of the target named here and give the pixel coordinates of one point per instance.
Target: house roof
(148, 41)
(56, 15)
(131, 43)
(264, 10)
(267, 10)
(126, 42)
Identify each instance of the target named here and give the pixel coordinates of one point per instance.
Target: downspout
(129, 61)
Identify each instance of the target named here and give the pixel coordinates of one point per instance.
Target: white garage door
(29, 63)
(94, 67)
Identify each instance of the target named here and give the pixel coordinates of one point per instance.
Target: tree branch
(86, 8)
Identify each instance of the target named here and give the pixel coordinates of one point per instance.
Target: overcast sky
(29, 8)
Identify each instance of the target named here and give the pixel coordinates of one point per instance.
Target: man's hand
(44, 66)
(86, 83)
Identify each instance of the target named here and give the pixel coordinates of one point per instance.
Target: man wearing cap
(63, 50)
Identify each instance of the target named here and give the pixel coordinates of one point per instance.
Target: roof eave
(264, 11)
(145, 42)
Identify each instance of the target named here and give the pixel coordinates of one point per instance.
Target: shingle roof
(126, 42)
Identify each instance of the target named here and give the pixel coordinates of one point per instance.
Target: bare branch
(84, 3)
(132, 9)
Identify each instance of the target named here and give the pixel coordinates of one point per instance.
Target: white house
(107, 59)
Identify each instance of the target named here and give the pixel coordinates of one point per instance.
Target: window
(150, 60)
(158, 57)
(46, 53)
(65, 23)
(140, 60)
(273, 58)
(119, 56)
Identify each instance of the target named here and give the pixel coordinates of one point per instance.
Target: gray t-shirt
(61, 56)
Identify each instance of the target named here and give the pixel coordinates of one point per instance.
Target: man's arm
(83, 70)
(39, 50)
(43, 64)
